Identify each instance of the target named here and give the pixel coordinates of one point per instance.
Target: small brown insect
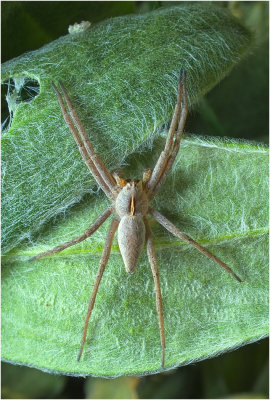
(130, 200)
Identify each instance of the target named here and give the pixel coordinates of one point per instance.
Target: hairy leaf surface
(122, 77)
(213, 195)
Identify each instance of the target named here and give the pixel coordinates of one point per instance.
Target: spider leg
(103, 262)
(95, 172)
(172, 144)
(104, 172)
(88, 232)
(153, 262)
(176, 232)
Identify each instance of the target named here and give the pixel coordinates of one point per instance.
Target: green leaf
(122, 76)
(217, 194)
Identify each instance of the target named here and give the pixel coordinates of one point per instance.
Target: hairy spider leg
(88, 232)
(153, 263)
(104, 172)
(96, 174)
(172, 144)
(103, 262)
(176, 232)
(177, 141)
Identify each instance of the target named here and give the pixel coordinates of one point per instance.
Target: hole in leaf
(15, 91)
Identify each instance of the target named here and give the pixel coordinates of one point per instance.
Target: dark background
(237, 107)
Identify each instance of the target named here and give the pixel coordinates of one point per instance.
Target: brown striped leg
(103, 262)
(172, 144)
(104, 172)
(176, 144)
(83, 151)
(89, 231)
(176, 232)
(153, 263)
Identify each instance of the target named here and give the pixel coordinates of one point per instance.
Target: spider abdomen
(131, 237)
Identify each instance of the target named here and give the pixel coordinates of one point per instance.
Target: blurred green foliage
(27, 383)
(238, 107)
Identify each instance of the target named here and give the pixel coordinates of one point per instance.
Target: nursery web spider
(130, 200)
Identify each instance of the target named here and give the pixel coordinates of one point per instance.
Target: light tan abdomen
(131, 237)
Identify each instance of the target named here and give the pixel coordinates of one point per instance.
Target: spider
(130, 203)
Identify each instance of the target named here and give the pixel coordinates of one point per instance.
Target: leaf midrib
(162, 244)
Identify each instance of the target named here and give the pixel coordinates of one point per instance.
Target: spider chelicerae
(130, 203)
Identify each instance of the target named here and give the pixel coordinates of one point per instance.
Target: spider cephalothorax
(132, 206)
(130, 203)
